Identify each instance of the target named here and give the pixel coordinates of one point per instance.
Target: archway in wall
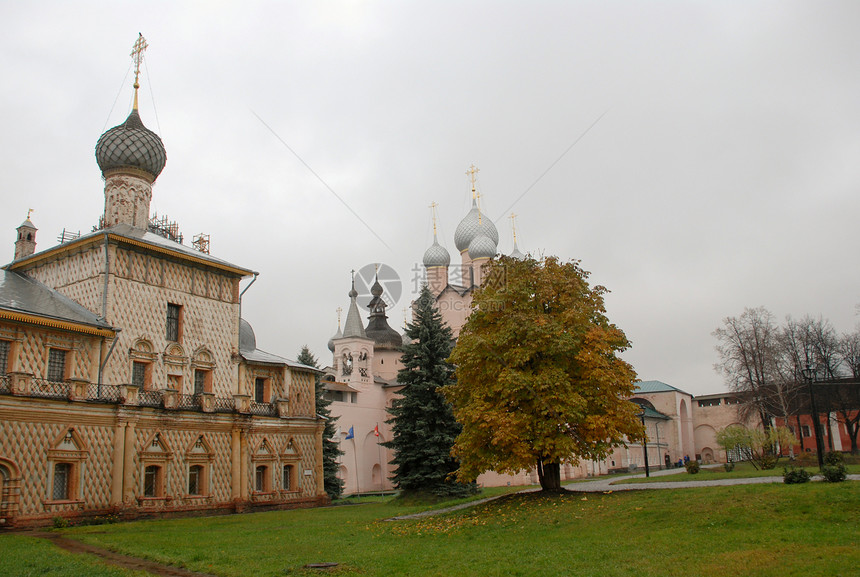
(376, 477)
(10, 482)
(707, 455)
(705, 436)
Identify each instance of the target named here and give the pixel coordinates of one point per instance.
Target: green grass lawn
(24, 556)
(741, 471)
(767, 530)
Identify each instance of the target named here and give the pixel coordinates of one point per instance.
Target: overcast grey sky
(723, 173)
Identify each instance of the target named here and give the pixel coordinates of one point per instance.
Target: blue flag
(350, 434)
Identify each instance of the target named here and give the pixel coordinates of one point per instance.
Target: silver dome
(473, 224)
(436, 255)
(516, 253)
(247, 338)
(337, 335)
(482, 246)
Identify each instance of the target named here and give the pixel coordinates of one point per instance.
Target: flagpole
(355, 455)
(381, 464)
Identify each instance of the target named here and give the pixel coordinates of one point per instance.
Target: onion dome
(247, 338)
(384, 337)
(516, 253)
(337, 335)
(131, 145)
(482, 246)
(404, 338)
(471, 226)
(436, 255)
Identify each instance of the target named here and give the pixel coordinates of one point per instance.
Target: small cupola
(25, 244)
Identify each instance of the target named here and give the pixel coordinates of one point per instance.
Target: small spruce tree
(332, 483)
(423, 424)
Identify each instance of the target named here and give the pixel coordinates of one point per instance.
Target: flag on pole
(350, 434)
(376, 430)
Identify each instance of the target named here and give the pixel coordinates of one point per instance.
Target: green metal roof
(657, 387)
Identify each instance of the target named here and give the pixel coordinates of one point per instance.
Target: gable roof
(657, 387)
(24, 299)
(127, 234)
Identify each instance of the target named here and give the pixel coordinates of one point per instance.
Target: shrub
(729, 467)
(834, 473)
(60, 522)
(806, 459)
(692, 467)
(834, 458)
(768, 461)
(794, 475)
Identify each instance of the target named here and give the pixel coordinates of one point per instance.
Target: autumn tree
(539, 381)
(332, 484)
(422, 423)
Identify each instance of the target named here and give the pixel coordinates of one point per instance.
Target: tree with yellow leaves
(539, 381)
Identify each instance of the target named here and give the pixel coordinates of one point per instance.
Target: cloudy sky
(698, 158)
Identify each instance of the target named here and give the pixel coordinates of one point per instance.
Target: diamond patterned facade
(151, 404)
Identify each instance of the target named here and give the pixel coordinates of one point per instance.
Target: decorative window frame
(161, 458)
(263, 455)
(290, 456)
(142, 351)
(199, 452)
(67, 448)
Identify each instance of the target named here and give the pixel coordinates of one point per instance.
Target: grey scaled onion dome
(131, 145)
(436, 255)
(472, 225)
(482, 246)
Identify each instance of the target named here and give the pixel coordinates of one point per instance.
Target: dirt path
(124, 561)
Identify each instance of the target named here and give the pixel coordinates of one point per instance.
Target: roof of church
(131, 145)
(436, 255)
(249, 351)
(353, 326)
(657, 387)
(472, 225)
(655, 414)
(146, 239)
(24, 295)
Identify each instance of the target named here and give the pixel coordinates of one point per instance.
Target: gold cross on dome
(140, 46)
(473, 175)
(433, 206)
(137, 54)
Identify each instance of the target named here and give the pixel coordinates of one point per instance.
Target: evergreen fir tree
(332, 483)
(423, 424)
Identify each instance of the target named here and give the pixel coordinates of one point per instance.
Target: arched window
(262, 481)
(152, 481)
(62, 482)
(195, 480)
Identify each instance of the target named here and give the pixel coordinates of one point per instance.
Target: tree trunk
(550, 477)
